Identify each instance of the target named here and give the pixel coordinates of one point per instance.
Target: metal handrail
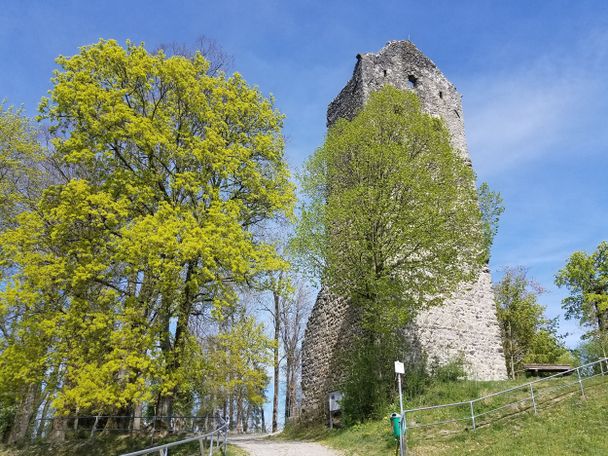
(528, 385)
(163, 450)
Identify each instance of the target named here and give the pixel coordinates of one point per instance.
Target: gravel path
(260, 446)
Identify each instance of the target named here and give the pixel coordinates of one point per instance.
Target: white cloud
(522, 111)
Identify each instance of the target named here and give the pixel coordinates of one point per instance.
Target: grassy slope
(571, 426)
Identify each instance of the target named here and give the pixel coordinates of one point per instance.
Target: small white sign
(334, 401)
(399, 367)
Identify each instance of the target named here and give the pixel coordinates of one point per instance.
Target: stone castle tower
(466, 325)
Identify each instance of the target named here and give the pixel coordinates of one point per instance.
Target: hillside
(571, 426)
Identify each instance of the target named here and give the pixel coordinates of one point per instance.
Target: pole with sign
(334, 406)
(400, 370)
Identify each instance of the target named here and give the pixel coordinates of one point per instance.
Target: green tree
(547, 347)
(586, 278)
(235, 373)
(278, 286)
(20, 181)
(527, 335)
(20, 155)
(165, 172)
(392, 221)
(491, 206)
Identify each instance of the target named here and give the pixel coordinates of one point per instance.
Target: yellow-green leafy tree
(20, 181)
(236, 357)
(164, 172)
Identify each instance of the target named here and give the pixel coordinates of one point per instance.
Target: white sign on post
(399, 367)
(334, 401)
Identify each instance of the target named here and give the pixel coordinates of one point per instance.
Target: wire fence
(84, 427)
(528, 397)
(208, 444)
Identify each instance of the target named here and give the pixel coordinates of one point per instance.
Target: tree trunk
(23, 417)
(239, 414)
(58, 431)
(246, 418)
(263, 419)
(137, 417)
(164, 410)
(275, 396)
(287, 389)
(181, 328)
(511, 352)
(292, 392)
(44, 414)
(94, 428)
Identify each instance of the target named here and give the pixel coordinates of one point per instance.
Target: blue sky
(532, 75)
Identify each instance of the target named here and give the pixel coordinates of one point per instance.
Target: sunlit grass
(566, 423)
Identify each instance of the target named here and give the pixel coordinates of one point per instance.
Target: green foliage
(395, 209)
(420, 378)
(235, 361)
(19, 154)
(548, 348)
(491, 207)
(527, 335)
(586, 278)
(368, 367)
(134, 252)
(417, 379)
(592, 348)
(7, 418)
(391, 222)
(451, 371)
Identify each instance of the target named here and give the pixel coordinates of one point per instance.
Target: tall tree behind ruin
(527, 334)
(277, 285)
(293, 320)
(585, 276)
(400, 227)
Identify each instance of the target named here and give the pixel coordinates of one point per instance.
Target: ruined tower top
(402, 65)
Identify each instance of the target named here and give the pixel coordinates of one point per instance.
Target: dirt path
(261, 446)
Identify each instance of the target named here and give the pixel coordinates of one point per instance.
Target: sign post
(400, 370)
(334, 406)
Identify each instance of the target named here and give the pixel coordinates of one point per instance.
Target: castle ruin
(466, 325)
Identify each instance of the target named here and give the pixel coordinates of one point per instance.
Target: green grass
(104, 446)
(570, 426)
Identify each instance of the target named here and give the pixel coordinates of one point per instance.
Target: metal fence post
(602, 367)
(533, 399)
(404, 433)
(211, 445)
(580, 382)
(472, 414)
(201, 444)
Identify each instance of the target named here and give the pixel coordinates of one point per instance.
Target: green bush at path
(572, 426)
(103, 446)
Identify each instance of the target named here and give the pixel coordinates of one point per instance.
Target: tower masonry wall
(466, 325)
